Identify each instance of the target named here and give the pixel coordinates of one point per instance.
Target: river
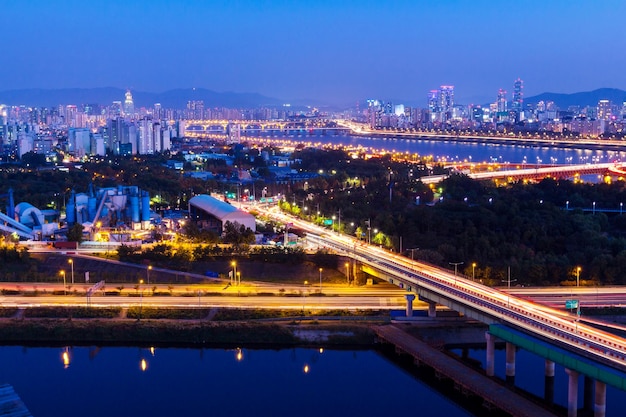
(449, 151)
(174, 382)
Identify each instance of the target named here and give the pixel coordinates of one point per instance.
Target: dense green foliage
(523, 226)
(72, 312)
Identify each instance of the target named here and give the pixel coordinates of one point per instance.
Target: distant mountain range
(104, 96)
(588, 98)
(178, 98)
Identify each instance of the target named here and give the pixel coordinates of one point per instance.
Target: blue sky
(334, 51)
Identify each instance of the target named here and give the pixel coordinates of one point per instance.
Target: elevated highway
(473, 299)
(596, 353)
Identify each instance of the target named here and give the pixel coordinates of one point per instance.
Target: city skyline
(334, 53)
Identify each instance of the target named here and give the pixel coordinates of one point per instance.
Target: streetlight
(304, 296)
(238, 278)
(148, 274)
(63, 275)
(234, 276)
(456, 264)
(71, 262)
(140, 297)
(578, 269)
(473, 271)
(321, 280)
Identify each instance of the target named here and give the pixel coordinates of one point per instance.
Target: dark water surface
(300, 382)
(529, 370)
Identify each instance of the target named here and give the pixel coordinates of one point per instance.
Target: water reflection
(199, 382)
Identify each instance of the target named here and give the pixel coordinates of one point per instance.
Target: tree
(236, 233)
(75, 234)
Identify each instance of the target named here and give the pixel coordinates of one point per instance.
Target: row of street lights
(578, 269)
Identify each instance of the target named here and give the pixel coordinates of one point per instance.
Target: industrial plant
(106, 214)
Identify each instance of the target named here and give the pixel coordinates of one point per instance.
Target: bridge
(579, 347)
(509, 138)
(540, 172)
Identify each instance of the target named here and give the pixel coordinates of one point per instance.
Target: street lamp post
(304, 297)
(234, 277)
(321, 280)
(71, 262)
(140, 297)
(474, 271)
(456, 264)
(63, 275)
(148, 274)
(578, 269)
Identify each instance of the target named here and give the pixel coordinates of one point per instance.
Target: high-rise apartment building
(604, 110)
(446, 99)
(195, 110)
(129, 105)
(518, 98)
(501, 101)
(441, 103)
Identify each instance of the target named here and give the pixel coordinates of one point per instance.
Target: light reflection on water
(127, 381)
(452, 151)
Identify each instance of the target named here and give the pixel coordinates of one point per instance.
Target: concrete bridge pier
(510, 363)
(588, 399)
(548, 392)
(491, 347)
(432, 309)
(572, 393)
(409, 304)
(599, 408)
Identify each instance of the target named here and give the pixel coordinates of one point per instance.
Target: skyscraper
(518, 97)
(501, 101)
(446, 101)
(129, 106)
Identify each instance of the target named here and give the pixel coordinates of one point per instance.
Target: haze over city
(327, 51)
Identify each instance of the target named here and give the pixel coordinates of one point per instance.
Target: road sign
(328, 222)
(571, 304)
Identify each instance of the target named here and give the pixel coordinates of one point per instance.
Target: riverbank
(187, 327)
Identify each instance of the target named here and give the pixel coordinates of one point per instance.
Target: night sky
(335, 51)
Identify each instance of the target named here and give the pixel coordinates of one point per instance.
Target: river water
(176, 382)
(448, 151)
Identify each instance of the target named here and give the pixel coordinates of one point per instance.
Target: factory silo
(145, 206)
(134, 208)
(70, 209)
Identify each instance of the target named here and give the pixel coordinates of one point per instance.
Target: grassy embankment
(201, 326)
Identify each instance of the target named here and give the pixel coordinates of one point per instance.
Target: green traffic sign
(570, 304)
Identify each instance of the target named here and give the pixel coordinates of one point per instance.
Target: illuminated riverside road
(487, 304)
(307, 301)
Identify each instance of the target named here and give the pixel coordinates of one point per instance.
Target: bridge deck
(482, 386)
